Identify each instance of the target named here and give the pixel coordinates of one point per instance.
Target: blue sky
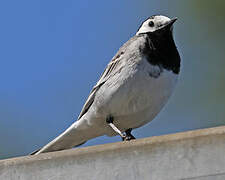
(53, 52)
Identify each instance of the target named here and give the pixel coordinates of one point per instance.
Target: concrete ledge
(192, 155)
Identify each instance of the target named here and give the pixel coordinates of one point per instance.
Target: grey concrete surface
(192, 155)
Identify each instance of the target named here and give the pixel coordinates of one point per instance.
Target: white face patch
(153, 24)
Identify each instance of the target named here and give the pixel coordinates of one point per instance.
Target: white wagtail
(132, 90)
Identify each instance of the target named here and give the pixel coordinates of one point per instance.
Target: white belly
(133, 97)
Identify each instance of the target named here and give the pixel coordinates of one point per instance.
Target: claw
(128, 136)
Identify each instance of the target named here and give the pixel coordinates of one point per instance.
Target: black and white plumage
(132, 90)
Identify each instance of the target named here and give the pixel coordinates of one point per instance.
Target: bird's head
(156, 23)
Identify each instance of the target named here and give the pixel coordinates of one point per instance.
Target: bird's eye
(151, 24)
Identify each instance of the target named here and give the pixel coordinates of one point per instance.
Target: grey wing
(110, 69)
(90, 100)
(113, 67)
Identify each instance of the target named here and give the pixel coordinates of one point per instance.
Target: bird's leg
(109, 120)
(129, 136)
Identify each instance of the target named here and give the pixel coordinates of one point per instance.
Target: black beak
(170, 23)
(167, 27)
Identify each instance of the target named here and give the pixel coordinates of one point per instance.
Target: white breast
(133, 97)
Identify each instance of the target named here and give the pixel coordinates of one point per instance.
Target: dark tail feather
(34, 152)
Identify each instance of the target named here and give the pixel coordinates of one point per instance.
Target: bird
(134, 87)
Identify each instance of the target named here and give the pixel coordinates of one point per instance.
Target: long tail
(41, 149)
(78, 133)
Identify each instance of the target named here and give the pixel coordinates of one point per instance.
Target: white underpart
(140, 99)
(158, 21)
(133, 100)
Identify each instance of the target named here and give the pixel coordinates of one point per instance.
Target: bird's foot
(127, 138)
(128, 135)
